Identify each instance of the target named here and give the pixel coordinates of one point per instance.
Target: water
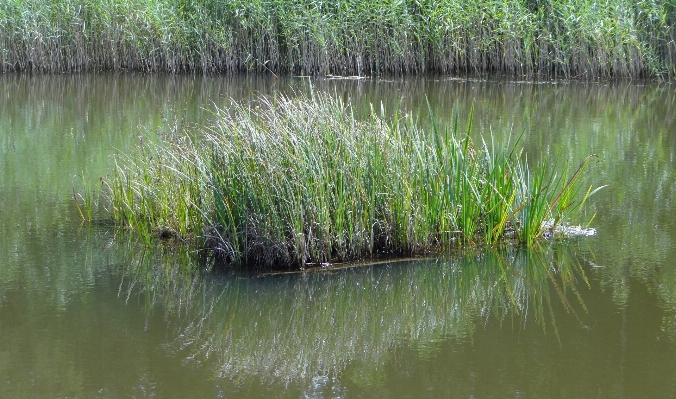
(85, 313)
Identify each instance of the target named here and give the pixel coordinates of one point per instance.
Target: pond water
(86, 313)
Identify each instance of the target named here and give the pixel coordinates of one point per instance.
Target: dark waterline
(85, 314)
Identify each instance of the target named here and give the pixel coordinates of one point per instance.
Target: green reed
(558, 38)
(89, 205)
(298, 181)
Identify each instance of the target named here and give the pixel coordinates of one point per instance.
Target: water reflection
(510, 322)
(300, 327)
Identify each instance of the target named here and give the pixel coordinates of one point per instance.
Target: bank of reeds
(553, 38)
(301, 181)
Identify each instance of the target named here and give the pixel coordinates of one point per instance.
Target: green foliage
(301, 181)
(560, 38)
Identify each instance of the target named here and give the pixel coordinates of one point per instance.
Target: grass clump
(301, 181)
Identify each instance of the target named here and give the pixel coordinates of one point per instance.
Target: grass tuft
(299, 181)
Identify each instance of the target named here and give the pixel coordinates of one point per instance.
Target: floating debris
(552, 230)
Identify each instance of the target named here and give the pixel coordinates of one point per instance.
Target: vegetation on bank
(284, 181)
(549, 38)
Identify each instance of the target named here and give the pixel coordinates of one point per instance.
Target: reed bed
(308, 180)
(554, 38)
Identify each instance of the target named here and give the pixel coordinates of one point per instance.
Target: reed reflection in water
(300, 326)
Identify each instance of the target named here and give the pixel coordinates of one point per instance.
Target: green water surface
(86, 313)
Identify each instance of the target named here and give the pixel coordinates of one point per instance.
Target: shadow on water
(295, 328)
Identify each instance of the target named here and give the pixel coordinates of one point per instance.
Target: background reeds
(546, 38)
(295, 181)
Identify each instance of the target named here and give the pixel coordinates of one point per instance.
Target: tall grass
(559, 38)
(300, 181)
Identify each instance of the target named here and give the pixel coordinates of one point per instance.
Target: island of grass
(293, 182)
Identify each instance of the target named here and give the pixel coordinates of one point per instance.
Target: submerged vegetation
(550, 38)
(308, 180)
